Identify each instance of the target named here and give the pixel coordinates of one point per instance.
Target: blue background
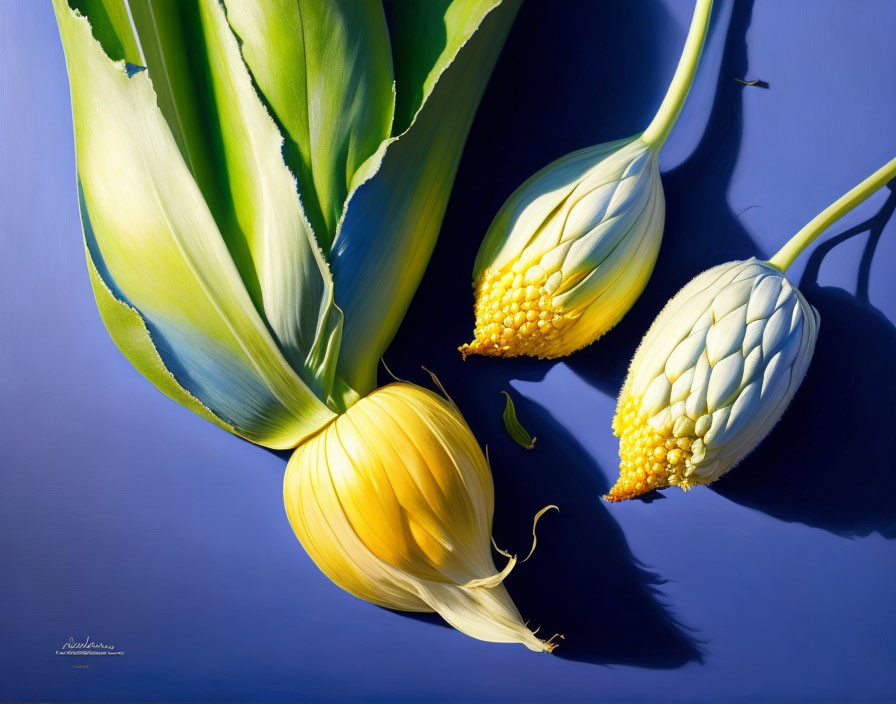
(125, 518)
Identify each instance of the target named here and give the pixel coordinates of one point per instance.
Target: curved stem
(658, 130)
(836, 210)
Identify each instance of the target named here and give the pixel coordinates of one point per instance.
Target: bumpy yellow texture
(516, 315)
(649, 458)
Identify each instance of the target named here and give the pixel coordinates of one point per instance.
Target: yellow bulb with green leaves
(261, 186)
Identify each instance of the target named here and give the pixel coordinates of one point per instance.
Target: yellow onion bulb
(393, 501)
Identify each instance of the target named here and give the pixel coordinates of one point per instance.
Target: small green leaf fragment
(514, 429)
(759, 83)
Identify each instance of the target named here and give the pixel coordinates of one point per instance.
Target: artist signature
(87, 646)
(71, 644)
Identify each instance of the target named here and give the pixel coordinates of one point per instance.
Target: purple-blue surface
(127, 519)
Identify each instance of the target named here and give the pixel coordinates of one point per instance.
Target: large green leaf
(234, 150)
(325, 70)
(393, 218)
(156, 246)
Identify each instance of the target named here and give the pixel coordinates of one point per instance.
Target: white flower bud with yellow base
(573, 247)
(596, 236)
(719, 366)
(393, 501)
(713, 374)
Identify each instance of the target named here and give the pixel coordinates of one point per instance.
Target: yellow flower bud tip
(393, 501)
(516, 316)
(649, 458)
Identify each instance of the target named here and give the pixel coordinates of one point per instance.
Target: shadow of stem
(828, 463)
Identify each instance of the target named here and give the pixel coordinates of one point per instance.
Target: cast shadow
(828, 463)
(582, 580)
(576, 79)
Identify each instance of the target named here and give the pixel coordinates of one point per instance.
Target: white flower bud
(712, 376)
(569, 252)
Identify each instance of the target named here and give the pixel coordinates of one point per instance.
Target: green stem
(836, 210)
(658, 130)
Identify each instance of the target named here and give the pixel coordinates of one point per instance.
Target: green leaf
(514, 429)
(325, 70)
(393, 218)
(234, 149)
(112, 28)
(153, 241)
(179, 74)
(128, 329)
(426, 37)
